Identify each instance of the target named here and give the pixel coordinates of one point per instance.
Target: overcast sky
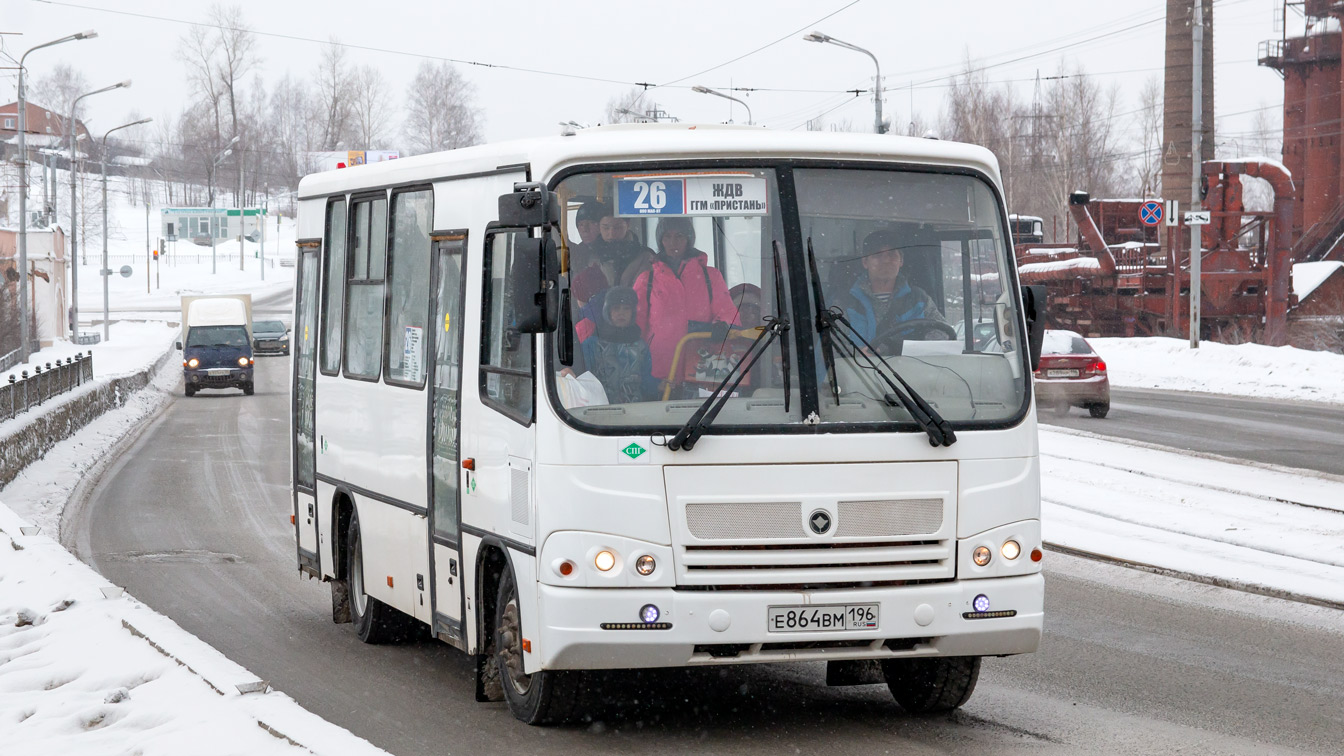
(592, 51)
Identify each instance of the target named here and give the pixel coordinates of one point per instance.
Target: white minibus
(661, 395)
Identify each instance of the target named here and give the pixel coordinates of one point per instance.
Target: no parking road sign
(1150, 213)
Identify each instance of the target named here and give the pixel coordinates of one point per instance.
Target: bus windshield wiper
(825, 323)
(924, 415)
(775, 328)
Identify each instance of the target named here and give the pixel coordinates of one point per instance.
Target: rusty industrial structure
(1128, 278)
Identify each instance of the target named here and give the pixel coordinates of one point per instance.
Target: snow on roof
(1259, 159)
(1307, 276)
(1079, 264)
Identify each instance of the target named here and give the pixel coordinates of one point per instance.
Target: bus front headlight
(1011, 550)
(604, 560)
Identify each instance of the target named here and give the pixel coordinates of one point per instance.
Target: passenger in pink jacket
(680, 293)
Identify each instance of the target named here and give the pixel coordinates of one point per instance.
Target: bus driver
(881, 299)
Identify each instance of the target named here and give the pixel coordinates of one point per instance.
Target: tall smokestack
(1177, 108)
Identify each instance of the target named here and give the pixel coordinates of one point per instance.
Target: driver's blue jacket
(907, 303)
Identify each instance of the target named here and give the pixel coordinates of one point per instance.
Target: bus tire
(931, 685)
(541, 698)
(374, 621)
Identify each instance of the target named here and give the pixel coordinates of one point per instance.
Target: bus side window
(506, 354)
(364, 297)
(333, 286)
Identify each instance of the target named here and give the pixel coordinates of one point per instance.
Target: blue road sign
(1150, 213)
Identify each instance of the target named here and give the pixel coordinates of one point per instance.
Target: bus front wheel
(543, 697)
(932, 684)
(374, 621)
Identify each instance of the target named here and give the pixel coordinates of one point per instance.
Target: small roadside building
(198, 224)
(48, 280)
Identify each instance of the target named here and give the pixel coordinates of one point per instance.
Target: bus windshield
(672, 276)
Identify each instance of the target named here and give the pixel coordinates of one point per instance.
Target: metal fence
(20, 394)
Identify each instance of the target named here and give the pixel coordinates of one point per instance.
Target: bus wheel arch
(341, 508)
(491, 563)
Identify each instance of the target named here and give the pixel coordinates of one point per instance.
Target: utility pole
(261, 223)
(1197, 164)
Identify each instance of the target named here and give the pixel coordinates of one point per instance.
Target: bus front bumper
(730, 627)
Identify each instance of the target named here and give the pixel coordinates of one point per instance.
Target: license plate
(1061, 373)
(217, 371)
(811, 619)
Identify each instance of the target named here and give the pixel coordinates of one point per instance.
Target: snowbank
(1250, 370)
(87, 669)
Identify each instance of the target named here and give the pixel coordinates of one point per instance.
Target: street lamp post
(708, 91)
(214, 231)
(23, 194)
(105, 272)
(74, 207)
(878, 126)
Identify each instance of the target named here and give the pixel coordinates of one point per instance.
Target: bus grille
(816, 563)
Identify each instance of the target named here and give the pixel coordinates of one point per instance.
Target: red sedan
(1071, 374)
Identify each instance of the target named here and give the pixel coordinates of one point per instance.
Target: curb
(1235, 585)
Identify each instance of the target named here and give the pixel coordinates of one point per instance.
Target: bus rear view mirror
(536, 297)
(528, 206)
(1033, 302)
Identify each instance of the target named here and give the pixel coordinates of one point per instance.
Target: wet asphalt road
(1304, 435)
(194, 520)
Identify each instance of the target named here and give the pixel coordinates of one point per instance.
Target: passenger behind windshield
(226, 336)
(680, 293)
(614, 350)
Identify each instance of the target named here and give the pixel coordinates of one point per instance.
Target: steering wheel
(922, 329)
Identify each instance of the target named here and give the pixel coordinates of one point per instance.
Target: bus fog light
(649, 613)
(1011, 550)
(604, 560)
(981, 555)
(981, 603)
(645, 565)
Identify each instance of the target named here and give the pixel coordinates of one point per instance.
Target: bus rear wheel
(374, 621)
(543, 697)
(933, 684)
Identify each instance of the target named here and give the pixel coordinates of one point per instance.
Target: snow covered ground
(1240, 370)
(87, 669)
(78, 675)
(1229, 522)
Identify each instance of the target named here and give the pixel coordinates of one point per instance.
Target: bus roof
(624, 142)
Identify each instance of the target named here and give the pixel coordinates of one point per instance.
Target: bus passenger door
(305, 448)
(445, 462)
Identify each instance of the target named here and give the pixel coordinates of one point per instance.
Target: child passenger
(615, 352)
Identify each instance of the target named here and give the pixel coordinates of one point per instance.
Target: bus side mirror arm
(1033, 305)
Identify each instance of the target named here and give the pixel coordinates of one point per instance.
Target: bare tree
(295, 122)
(370, 106)
(57, 91)
(1149, 161)
(235, 52)
(440, 112)
(333, 95)
(198, 51)
(628, 107)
